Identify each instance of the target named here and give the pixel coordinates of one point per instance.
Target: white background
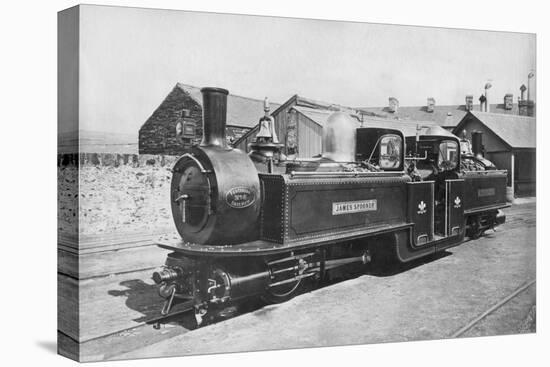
(28, 182)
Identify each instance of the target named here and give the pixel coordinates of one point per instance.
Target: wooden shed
(509, 141)
(299, 125)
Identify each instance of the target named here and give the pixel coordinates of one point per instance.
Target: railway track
(460, 332)
(179, 320)
(515, 222)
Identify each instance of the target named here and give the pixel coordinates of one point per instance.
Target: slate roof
(318, 116)
(447, 116)
(408, 127)
(241, 111)
(516, 131)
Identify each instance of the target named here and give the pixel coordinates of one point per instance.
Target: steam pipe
(487, 86)
(529, 77)
(214, 115)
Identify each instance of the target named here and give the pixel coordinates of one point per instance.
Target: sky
(130, 59)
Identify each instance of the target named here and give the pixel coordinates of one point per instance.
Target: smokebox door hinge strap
(197, 162)
(168, 304)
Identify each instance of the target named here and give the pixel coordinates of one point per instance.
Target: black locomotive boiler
(259, 225)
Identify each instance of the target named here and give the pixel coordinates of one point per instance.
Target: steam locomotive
(258, 224)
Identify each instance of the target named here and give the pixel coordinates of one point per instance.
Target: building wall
(158, 134)
(282, 119)
(503, 160)
(491, 142)
(525, 171)
(249, 137)
(234, 133)
(310, 137)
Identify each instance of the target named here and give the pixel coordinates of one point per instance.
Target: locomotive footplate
(262, 247)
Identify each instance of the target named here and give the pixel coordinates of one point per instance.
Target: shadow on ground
(144, 298)
(140, 297)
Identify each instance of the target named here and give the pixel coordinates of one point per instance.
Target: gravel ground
(426, 300)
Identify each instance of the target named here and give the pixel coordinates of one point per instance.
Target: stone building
(177, 122)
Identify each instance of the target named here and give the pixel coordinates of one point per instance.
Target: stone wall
(158, 134)
(67, 199)
(114, 193)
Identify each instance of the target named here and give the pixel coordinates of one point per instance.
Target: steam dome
(339, 135)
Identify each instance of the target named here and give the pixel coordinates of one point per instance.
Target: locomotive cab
(380, 147)
(435, 156)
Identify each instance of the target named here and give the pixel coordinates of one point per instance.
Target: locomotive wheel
(475, 228)
(286, 292)
(283, 293)
(287, 268)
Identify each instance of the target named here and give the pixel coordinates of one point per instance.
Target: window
(189, 130)
(448, 155)
(390, 151)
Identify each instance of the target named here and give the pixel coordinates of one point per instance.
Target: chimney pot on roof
(393, 105)
(508, 101)
(431, 104)
(469, 102)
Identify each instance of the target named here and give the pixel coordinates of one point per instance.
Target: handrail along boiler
(259, 225)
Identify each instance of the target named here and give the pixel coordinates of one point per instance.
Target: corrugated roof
(241, 111)
(517, 131)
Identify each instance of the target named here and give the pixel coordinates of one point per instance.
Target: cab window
(390, 151)
(448, 155)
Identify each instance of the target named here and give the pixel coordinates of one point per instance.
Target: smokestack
(214, 115)
(477, 144)
(487, 86)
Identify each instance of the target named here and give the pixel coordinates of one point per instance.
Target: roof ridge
(180, 84)
(508, 115)
(314, 110)
(318, 102)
